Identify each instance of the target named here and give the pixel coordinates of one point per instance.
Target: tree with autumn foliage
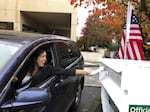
(103, 26)
(93, 33)
(114, 23)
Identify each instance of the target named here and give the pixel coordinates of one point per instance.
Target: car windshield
(7, 50)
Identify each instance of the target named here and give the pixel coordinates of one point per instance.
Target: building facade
(40, 16)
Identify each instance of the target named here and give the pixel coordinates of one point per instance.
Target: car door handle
(61, 80)
(59, 83)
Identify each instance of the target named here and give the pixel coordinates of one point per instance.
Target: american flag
(133, 45)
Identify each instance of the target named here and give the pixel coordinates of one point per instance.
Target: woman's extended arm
(82, 72)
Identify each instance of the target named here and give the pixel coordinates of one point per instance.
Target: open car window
(24, 81)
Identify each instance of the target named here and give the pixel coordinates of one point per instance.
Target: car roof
(25, 37)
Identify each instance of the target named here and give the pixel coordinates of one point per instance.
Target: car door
(65, 59)
(55, 84)
(51, 83)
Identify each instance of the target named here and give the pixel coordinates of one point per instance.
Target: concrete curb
(91, 59)
(91, 64)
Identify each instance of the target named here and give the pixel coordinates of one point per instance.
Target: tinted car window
(68, 53)
(75, 50)
(7, 50)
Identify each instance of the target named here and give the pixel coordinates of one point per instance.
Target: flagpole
(129, 12)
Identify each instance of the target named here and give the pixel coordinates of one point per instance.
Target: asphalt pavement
(90, 100)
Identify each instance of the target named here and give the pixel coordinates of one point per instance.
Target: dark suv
(57, 93)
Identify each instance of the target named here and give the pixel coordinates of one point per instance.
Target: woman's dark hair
(34, 57)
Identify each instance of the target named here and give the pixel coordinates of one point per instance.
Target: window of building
(6, 25)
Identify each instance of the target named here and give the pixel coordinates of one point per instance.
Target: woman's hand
(15, 79)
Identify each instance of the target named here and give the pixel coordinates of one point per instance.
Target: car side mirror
(30, 98)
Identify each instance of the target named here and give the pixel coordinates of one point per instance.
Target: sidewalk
(91, 58)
